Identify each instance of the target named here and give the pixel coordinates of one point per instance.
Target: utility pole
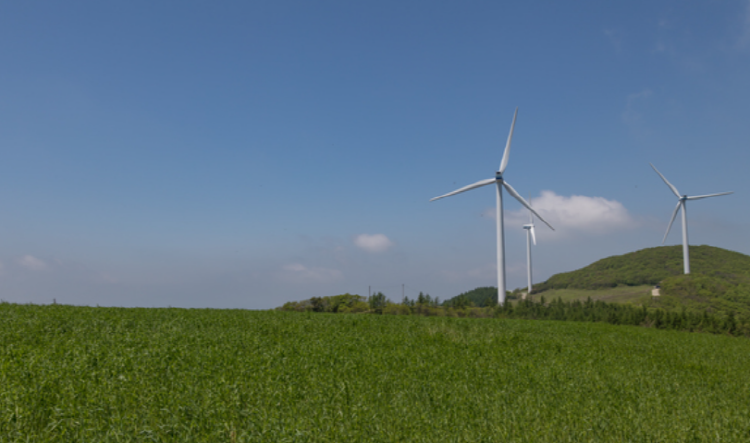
(402, 291)
(369, 291)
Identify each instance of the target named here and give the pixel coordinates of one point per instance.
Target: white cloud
(32, 263)
(373, 243)
(302, 273)
(577, 213)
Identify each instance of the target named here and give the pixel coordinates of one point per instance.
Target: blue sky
(245, 154)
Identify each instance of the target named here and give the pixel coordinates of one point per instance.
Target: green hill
(484, 296)
(651, 266)
(719, 279)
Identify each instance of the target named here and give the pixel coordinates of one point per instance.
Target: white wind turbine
(530, 236)
(500, 183)
(681, 204)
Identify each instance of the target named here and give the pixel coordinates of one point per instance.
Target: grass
(111, 374)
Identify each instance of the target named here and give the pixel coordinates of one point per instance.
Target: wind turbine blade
(698, 197)
(533, 236)
(467, 188)
(671, 186)
(674, 214)
(518, 197)
(506, 153)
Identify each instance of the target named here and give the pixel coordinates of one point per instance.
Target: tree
(460, 302)
(318, 304)
(377, 302)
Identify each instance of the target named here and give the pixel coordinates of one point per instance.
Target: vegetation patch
(618, 294)
(719, 281)
(164, 375)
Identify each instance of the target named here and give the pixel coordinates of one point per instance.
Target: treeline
(528, 309)
(377, 303)
(624, 314)
(699, 293)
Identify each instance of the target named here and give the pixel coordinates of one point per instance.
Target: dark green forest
(482, 297)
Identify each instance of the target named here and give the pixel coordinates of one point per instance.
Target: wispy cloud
(615, 37)
(663, 43)
(373, 242)
(632, 115)
(32, 263)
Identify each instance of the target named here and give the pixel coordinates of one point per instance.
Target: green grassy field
(106, 374)
(619, 294)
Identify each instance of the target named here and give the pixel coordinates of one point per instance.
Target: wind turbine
(681, 204)
(500, 183)
(529, 238)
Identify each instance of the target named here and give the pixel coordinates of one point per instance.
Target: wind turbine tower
(530, 236)
(500, 183)
(682, 199)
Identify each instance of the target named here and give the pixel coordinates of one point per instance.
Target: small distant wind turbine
(529, 238)
(500, 183)
(681, 204)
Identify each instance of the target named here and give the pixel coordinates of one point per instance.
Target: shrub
(396, 309)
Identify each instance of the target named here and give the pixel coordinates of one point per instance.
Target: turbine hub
(498, 175)
(683, 198)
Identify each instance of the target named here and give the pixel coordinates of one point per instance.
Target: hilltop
(651, 266)
(484, 296)
(719, 280)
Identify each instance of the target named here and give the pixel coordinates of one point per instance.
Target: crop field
(77, 374)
